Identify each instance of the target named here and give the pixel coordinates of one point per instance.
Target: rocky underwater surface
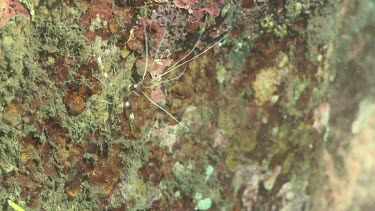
(186, 105)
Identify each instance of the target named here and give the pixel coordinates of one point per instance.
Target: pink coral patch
(185, 4)
(219, 138)
(10, 8)
(197, 10)
(158, 69)
(157, 95)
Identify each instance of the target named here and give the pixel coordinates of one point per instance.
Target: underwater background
(187, 105)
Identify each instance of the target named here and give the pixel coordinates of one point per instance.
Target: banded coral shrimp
(148, 80)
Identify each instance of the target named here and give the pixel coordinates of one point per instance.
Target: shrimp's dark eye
(128, 105)
(133, 87)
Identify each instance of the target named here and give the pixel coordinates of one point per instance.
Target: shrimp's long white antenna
(200, 54)
(157, 51)
(171, 79)
(161, 108)
(190, 52)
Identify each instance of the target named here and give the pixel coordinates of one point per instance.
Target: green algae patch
(17, 56)
(296, 89)
(17, 72)
(321, 29)
(265, 85)
(241, 145)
